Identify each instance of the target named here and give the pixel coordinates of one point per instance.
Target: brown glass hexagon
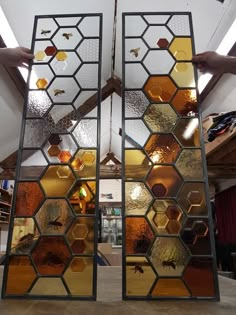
(160, 117)
(50, 50)
(84, 163)
(139, 276)
(189, 164)
(181, 48)
(160, 89)
(138, 235)
(192, 199)
(168, 256)
(57, 181)
(81, 236)
(21, 275)
(162, 43)
(166, 176)
(54, 150)
(54, 216)
(79, 276)
(82, 197)
(187, 132)
(162, 148)
(136, 164)
(28, 197)
(199, 277)
(170, 288)
(51, 255)
(185, 102)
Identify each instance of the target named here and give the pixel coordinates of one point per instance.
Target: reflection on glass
(137, 198)
(136, 164)
(160, 89)
(183, 74)
(185, 102)
(187, 132)
(189, 164)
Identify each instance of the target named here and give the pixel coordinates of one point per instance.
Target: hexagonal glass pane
(139, 276)
(79, 276)
(134, 25)
(136, 133)
(89, 50)
(171, 288)
(87, 76)
(16, 282)
(49, 287)
(84, 163)
(136, 164)
(68, 21)
(38, 104)
(40, 77)
(192, 199)
(67, 38)
(28, 197)
(135, 49)
(135, 76)
(24, 237)
(35, 133)
(169, 256)
(81, 236)
(66, 67)
(179, 24)
(164, 181)
(160, 89)
(85, 133)
(185, 102)
(82, 197)
(135, 103)
(158, 62)
(33, 163)
(51, 255)
(63, 90)
(155, 33)
(54, 216)
(81, 99)
(157, 217)
(156, 19)
(57, 181)
(90, 26)
(189, 164)
(137, 198)
(200, 268)
(138, 235)
(162, 148)
(45, 28)
(181, 48)
(42, 51)
(183, 75)
(187, 132)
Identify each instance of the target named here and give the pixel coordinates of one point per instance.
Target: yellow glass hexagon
(40, 56)
(160, 88)
(183, 74)
(136, 164)
(41, 83)
(181, 48)
(88, 157)
(61, 56)
(80, 231)
(77, 265)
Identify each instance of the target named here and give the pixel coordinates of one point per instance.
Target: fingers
(26, 53)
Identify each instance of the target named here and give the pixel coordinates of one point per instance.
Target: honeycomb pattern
(162, 67)
(160, 89)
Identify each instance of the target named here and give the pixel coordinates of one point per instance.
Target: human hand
(211, 62)
(15, 57)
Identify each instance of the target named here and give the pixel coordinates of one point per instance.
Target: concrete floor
(109, 302)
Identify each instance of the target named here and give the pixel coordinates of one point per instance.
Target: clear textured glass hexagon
(63, 90)
(67, 66)
(67, 38)
(155, 33)
(158, 62)
(135, 49)
(135, 76)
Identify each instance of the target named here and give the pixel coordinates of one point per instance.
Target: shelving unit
(111, 226)
(5, 206)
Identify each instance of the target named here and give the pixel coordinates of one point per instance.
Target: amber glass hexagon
(169, 256)
(185, 102)
(81, 236)
(137, 198)
(61, 56)
(54, 216)
(50, 50)
(189, 164)
(40, 56)
(162, 148)
(181, 48)
(139, 276)
(170, 288)
(160, 117)
(160, 89)
(162, 43)
(28, 197)
(42, 83)
(82, 197)
(187, 132)
(64, 156)
(57, 181)
(54, 150)
(164, 181)
(192, 199)
(138, 235)
(199, 277)
(136, 164)
(79, 276)
(183, 75)
(84, 163)
(51, 255)
(21, 275)
(157, 217)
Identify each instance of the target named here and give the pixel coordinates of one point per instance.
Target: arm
(15, 57)
(214, 63)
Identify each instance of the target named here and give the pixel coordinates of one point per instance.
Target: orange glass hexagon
(40, 56)
(185, 102)
(170, 287)
(41, 83)
(181, 48)
(160, 88)
(54, 150)
(183, 75)
(162, 148)
(50, 50)
(88, 157)
(80, 231)
(162, 43)
(61, 56)
(64, 156)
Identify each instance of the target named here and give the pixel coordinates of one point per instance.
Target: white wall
(110, 186)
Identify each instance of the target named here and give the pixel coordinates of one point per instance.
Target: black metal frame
(204, 181)
(18, 180)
